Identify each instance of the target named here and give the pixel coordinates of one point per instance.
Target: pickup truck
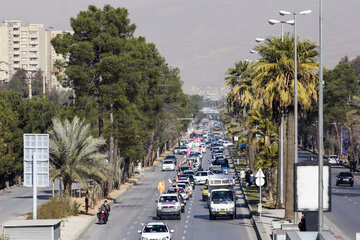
(168, 205)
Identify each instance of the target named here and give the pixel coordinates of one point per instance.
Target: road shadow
(39, 197)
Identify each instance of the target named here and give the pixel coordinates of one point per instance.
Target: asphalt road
(138, 206)
(345, 207)
(18, 201)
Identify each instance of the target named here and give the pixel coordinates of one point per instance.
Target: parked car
(345, 178)
(333, 159)
(155, 230)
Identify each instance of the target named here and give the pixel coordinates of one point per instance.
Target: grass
(57, 208)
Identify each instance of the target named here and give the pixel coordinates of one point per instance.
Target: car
(171, 157)
(202, 176)
(345, 178)
(168, 165)
(181, 198)
(217, 170)
(185, 185)
(205, 192)
(227, 143)
(177, 150)
(168, 205)
(333, 159)
(191, 178)
(155, 230)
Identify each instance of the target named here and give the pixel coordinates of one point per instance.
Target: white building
(27, 47)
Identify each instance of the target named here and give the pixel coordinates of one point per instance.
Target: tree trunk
(251, 150)
(67, 186)
(112, 161)
(289, 190)
(149, 149)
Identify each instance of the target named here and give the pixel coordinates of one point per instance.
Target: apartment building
(27, 47)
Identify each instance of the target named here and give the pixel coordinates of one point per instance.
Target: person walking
(247, 179)
(251, 178)
(242, 177)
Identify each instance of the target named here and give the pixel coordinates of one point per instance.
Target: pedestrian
(251, 178)
(302, 223)
(242, 176)
(247, 179)
(86, 202)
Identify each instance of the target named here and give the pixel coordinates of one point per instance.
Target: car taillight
(352, 179)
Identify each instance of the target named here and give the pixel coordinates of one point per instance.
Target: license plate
(223, 213)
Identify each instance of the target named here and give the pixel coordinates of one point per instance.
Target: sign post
(36, 164)
(260, 182)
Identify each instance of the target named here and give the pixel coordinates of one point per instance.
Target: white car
(333, 159)
(156, 230)
(168, 165)
(227, 143)
(202, 176)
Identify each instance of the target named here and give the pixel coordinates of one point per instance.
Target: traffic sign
(259, 182)
(260, 174)
(236, 138)
(36, 146)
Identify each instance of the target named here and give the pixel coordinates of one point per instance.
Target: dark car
(345, 178)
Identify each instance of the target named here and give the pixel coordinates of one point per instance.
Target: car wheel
(179, 217)
(203, 198)
(212, 217)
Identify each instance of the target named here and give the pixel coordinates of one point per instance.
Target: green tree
(74, 155)
(18, 83)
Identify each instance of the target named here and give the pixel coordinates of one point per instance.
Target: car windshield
(201, 174)
(333, 156)
(220, 197)
(346, 174)
(217, 171)
(184, 168)
(155, 228)
(191, 177)
(168, 162)
(168, 199)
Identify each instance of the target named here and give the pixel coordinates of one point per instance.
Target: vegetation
(261, 96)
(57, 208)
(121, 90)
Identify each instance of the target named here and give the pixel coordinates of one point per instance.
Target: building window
(24, 39)
(33, 59)
(33, 52)
(33, 45)
(33, 65)
(24, 59)
(16, 29)
(16, 55)
(24, 65)
(24, 45)
(33, 39)
(16, 62)
(16, 35)
(16, 49)
(24, 52)
(16, 42)
(24, 32)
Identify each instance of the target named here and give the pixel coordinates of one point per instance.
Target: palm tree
(74, 154)
(274, 82)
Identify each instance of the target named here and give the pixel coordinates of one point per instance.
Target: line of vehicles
(218, 184)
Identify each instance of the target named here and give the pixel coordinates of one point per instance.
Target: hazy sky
(205, 37)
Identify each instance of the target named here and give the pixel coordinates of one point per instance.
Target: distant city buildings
(27, 47)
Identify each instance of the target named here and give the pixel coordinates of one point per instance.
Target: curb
(80, 234)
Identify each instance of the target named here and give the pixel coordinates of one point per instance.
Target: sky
(203, 38)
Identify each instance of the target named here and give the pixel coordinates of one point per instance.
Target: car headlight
(177, 207)
(158, 208)
(166, 238)
(231, 209)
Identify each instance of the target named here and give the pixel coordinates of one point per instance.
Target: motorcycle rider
(104, 207)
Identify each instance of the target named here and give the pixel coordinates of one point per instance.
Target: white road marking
(131, 227)
(187, 221)
(128, 233)
(188, 216)
(139, 217)
(185, 232)
(183, 237)
(136, 222)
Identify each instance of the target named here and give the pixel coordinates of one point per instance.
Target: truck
(222, 199)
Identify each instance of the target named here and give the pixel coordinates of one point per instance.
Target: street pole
(282, 31)
(34, 186)
(295, 106)
(321, 217)
(282, 160)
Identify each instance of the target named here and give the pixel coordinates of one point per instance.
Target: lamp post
(321, 123)
(283, 13)
(274, 21)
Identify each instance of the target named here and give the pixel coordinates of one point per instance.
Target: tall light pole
(320, 198)
(283, 13)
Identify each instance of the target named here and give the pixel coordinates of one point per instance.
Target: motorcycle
(102, 217)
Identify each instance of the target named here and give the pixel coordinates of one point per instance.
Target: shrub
(56, 208)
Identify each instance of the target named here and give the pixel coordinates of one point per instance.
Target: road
(138, 206)
(18, 201)
(345, 208)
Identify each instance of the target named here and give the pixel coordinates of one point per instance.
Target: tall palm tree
(74, 154)
(274, 81)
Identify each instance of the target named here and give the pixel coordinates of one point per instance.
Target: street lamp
(283, 13)
(259, 40)
(252, 51)
(274, 21)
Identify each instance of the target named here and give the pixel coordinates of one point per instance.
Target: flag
(184, 161)
(188, 151)
(179, 162)
(170, 182)
(161, 186)
(177, 178)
